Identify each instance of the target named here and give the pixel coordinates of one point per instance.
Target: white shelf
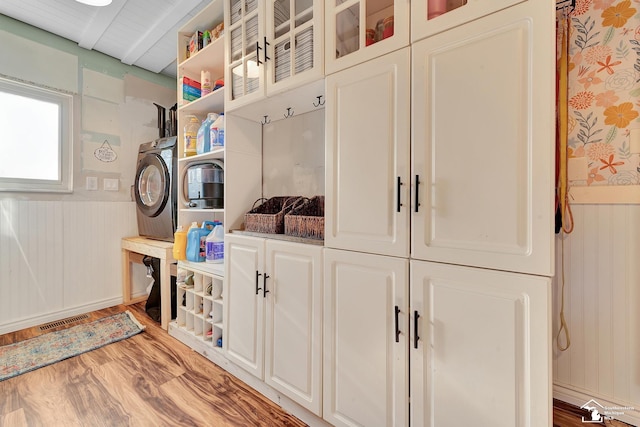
(210, 103)
(203, 267)
(216, 153)
(204, 60)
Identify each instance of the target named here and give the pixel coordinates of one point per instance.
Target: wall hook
(320, 101)
(265, 120)
(289, 113)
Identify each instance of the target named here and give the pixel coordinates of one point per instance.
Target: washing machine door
(152, 185)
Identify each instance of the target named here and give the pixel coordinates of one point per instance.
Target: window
(35, 138)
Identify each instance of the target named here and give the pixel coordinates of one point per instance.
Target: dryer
(155, 189)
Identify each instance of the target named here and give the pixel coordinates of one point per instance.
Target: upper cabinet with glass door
(429, 17)
(273, 46)
(359, 30)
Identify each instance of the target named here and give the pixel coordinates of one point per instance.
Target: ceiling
(142, 33)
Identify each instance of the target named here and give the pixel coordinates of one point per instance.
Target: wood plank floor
(150, 379)
(147, 380)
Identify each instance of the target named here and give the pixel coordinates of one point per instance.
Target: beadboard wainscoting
(60, 258)
(602, 309)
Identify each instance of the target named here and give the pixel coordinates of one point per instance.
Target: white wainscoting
(59, 259)
(602, 309)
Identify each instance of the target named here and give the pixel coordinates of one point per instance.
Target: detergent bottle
(203, 144)
(215, 245)
(180, 244)
(196, 241)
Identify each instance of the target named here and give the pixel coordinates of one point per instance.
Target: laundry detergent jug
(196, 241)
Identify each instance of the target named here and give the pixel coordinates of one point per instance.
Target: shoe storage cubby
(200, 306)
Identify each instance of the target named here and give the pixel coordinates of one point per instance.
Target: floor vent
(63, 322)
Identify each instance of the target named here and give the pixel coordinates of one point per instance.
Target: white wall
(602, 309)
(60, 253)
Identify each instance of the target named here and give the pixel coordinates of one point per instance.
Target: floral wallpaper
(604, 93)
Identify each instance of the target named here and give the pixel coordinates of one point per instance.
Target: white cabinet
(483, 142)
(273, 314)
(479, 347)
(367, 156)
(365, 340)
(360, 30)
(272, 46)
(430, 17)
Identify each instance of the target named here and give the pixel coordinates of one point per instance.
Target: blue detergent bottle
(203, 138)
(196, 241)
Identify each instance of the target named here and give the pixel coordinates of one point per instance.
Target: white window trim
(65, 101)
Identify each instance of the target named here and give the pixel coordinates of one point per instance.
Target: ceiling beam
(102, 19)
(156, 31)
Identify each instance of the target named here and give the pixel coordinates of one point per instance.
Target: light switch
(110, 184)
(92, 183)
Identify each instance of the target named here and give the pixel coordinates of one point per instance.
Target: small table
(157, 249)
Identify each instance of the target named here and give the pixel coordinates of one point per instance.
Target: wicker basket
(269, 216)
(306, 219)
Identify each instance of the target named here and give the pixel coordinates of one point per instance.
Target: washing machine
(155, 189)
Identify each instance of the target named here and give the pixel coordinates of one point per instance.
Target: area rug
(44, 350)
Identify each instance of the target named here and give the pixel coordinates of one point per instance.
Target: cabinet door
(359, 30)
(244, 303)
(429, 17)
(294, 31)
(483, 142)
(367, 121)
(365, 340)
(293, 322)
(482, 354)
(245, 52)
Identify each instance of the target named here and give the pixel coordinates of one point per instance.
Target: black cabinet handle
(417, 192)
(257, 276)
(258, 48)
(416, 337)
(397, 325)
(264, 285)
(266, 58)
(398, 195)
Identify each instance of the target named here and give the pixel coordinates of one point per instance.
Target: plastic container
(215, 245)
(203, 140)
(196, 241)
(192, 124)
(217, 132)
(205, 81)
(180, 244)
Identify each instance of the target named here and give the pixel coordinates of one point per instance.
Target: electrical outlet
(111, 184)
(92, 183)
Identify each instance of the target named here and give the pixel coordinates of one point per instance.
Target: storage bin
(269, 216)
(306, 219)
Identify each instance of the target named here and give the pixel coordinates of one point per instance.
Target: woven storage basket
(269, 216)
(306, 219)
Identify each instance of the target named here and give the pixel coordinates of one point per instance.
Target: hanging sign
(105, 153)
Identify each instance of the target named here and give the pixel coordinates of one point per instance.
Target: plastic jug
(180, 244)
(217, 132)
(203, 144)
(215, 245)
(196, 244)
(192, 124)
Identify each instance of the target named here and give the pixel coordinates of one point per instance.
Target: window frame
(65, 140)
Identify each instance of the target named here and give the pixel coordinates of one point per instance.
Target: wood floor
(149, 380)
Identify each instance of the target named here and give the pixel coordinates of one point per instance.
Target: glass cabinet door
(245, 52)
(359, 30)
(429, 17)
(295, 45)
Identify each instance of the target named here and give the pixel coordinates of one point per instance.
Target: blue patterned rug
(34, 353)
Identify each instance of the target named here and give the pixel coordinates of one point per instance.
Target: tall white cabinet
(474, 195)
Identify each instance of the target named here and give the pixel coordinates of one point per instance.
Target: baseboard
(216, 356)
(621, 411)
(58, 315)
